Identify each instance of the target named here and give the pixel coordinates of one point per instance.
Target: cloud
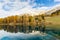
(1, 1)
(17, 7)
(11, 8)
(57, 0)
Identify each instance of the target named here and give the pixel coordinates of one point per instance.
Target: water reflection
(23, 36)
(21, 28)
(26, 30)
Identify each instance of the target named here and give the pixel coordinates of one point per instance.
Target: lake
(23, 33)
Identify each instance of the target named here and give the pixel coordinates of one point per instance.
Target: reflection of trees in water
(20, 28)
(24, 23)
(28, 29)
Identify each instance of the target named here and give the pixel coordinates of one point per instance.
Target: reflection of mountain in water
(27, 33)
(30, 37)
(22, 29)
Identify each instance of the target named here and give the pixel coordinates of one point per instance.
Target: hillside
(53, 25)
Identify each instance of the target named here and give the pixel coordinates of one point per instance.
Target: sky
(33, 7)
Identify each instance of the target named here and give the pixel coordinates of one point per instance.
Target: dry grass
(53, 22)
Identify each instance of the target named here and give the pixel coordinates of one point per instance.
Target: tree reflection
(24, 23)
(19, 28)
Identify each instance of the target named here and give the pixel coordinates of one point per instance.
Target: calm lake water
(16, 33)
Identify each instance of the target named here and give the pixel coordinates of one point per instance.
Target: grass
(54, 25)
(55, 22)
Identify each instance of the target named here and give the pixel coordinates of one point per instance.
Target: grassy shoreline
(53, 25)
